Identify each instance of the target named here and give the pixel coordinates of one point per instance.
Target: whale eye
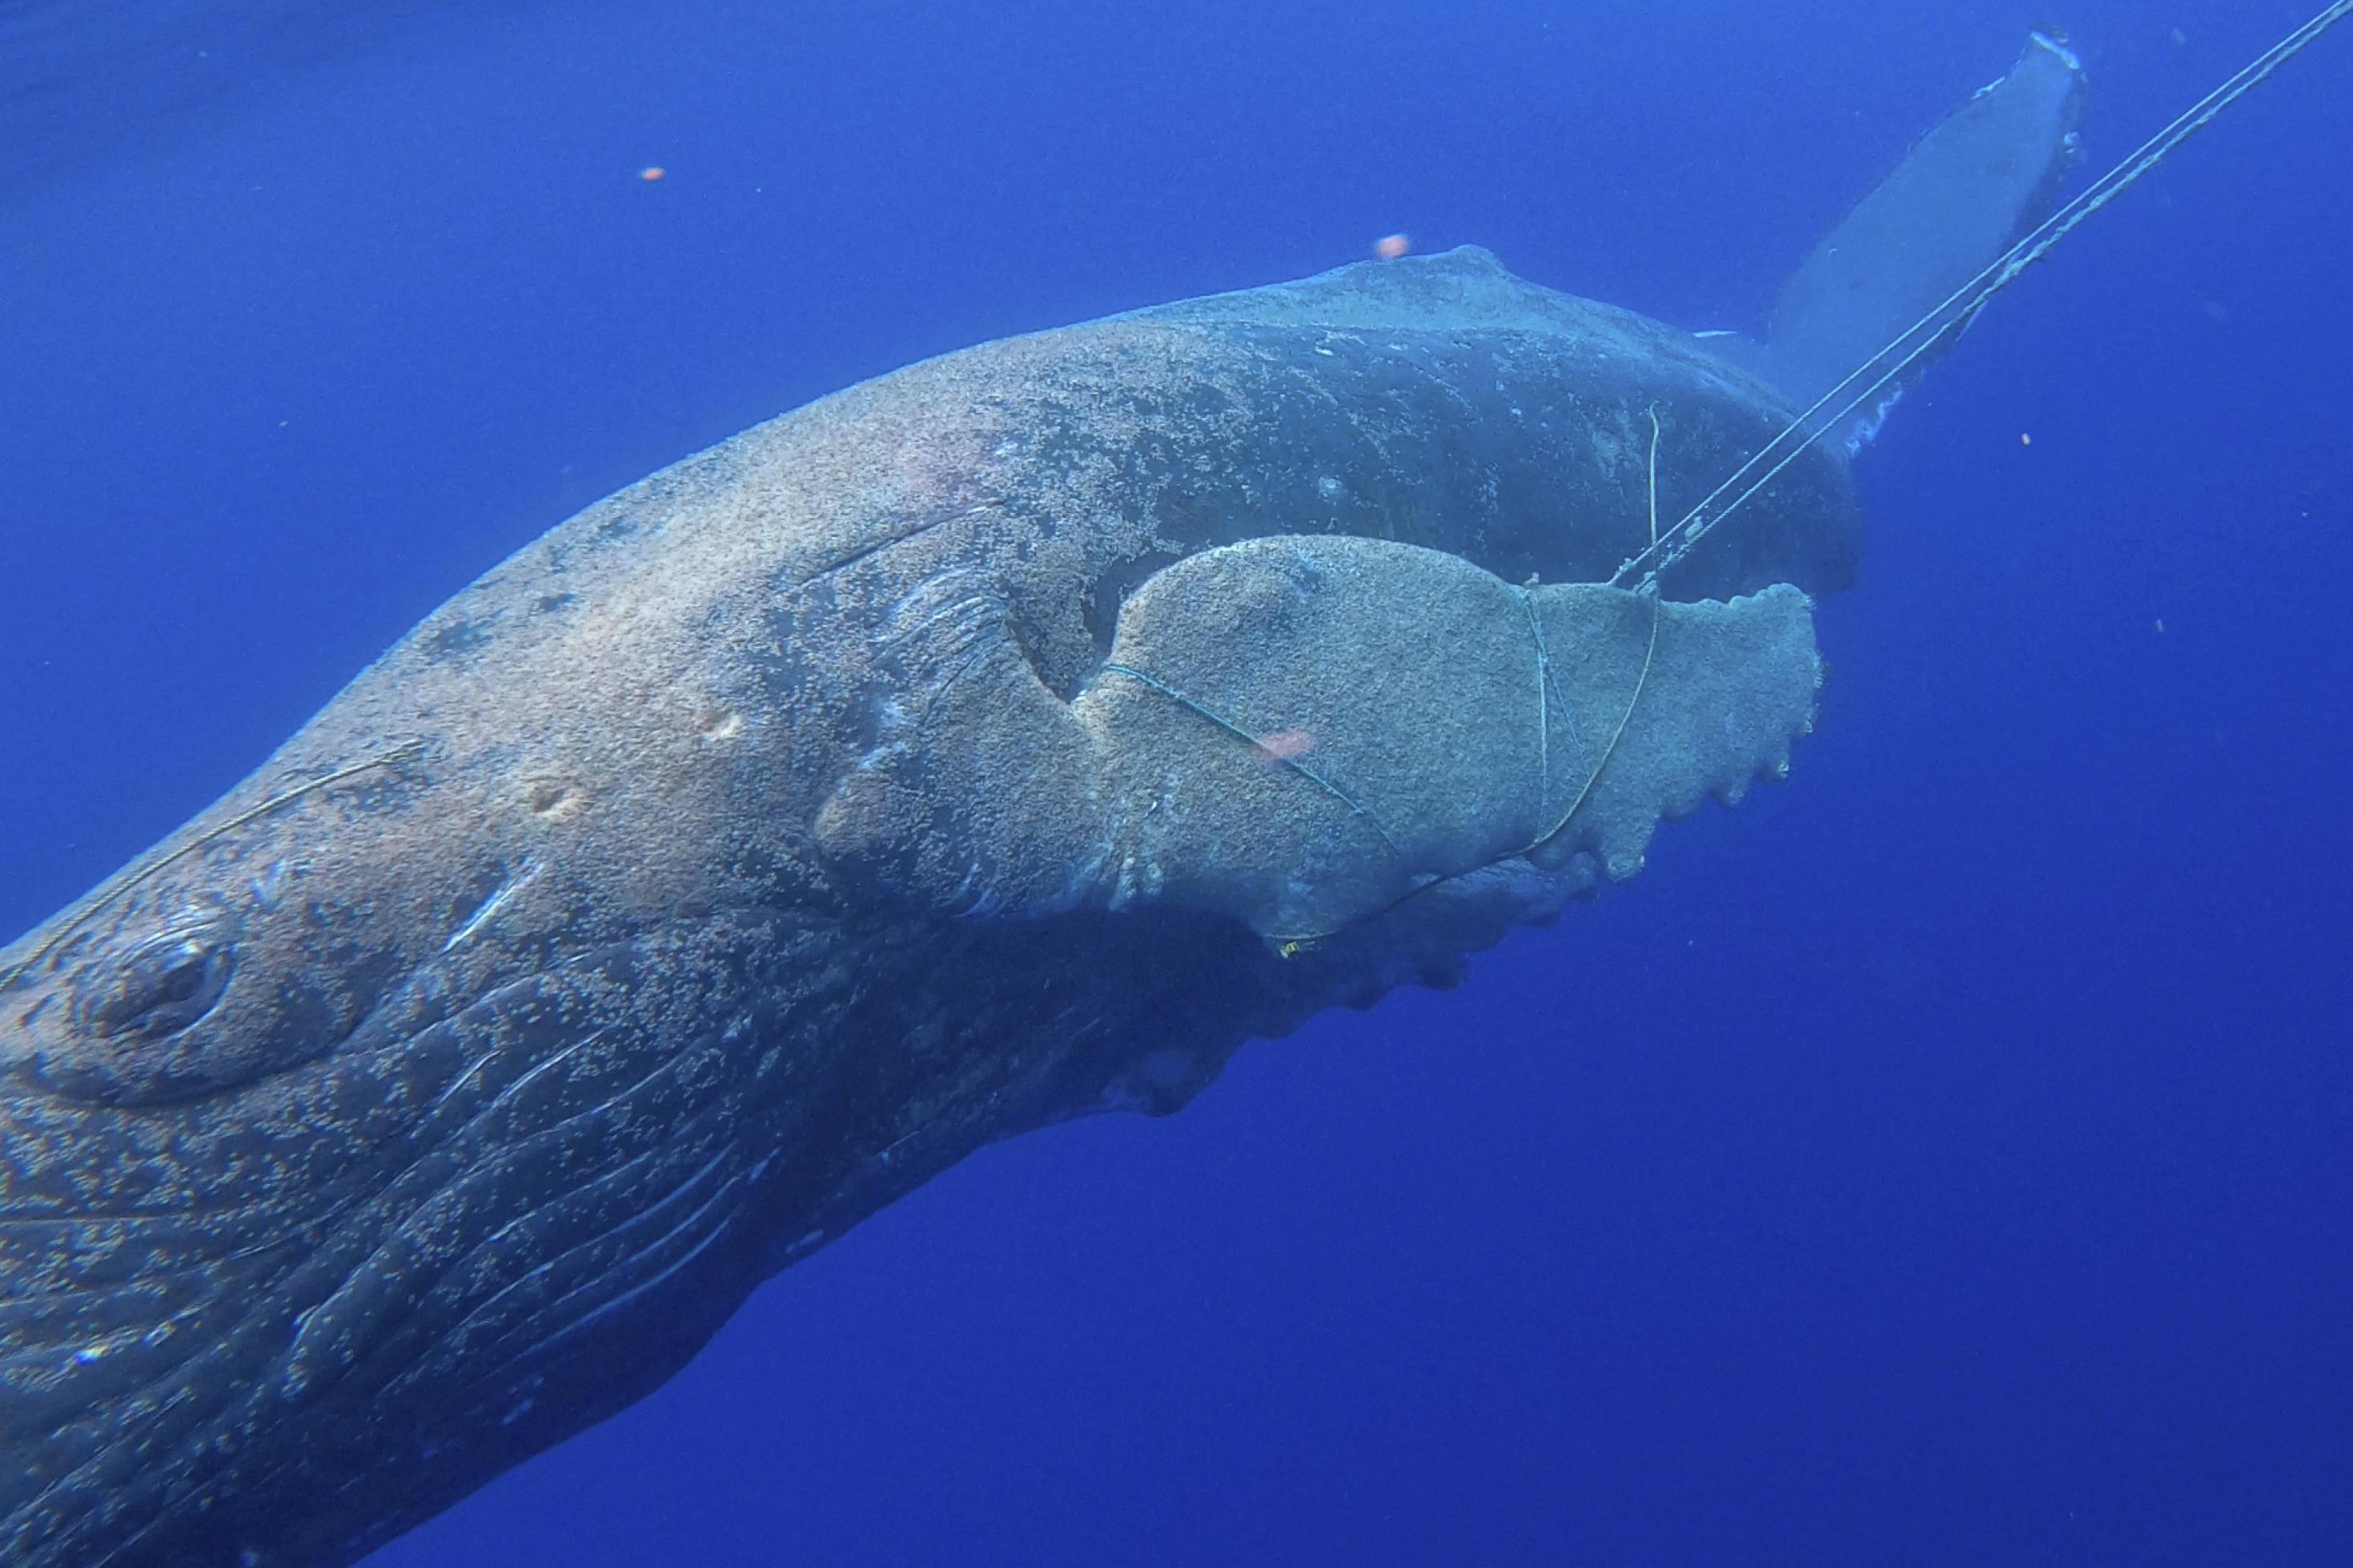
(160, 987)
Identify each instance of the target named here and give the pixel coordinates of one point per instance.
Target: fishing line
(1971, 296)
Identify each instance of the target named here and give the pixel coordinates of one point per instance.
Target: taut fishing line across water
(1644, 570)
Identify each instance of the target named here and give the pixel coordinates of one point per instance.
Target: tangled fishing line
(1641, 573)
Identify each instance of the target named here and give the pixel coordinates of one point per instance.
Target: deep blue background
(1942, 1159)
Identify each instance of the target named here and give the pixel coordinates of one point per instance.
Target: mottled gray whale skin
(1003, 739)
(659, 907)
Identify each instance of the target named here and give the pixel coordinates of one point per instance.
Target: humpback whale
(1007, 739)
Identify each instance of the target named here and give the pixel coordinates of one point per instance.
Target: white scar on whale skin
(492, 906)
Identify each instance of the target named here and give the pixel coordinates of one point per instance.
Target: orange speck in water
(1389, 247)
(652, 174)
(1284, 745)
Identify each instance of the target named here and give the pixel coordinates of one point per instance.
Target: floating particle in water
(2024, 439)
(653, 174)
(1389, 247)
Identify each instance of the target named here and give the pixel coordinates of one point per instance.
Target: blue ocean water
(1941, 1159)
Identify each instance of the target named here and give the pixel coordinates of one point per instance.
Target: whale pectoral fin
(1301, 729)
(1305, 732)
(1730, 686)
(1971, 188)
(1302, 732)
